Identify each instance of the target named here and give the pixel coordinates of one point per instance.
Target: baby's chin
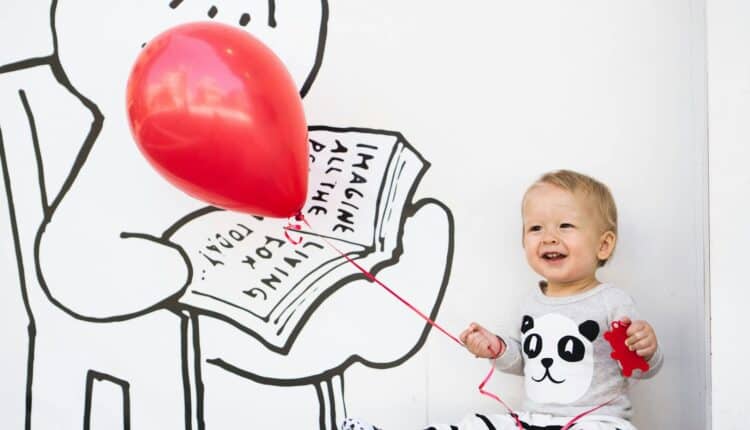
(554, 271)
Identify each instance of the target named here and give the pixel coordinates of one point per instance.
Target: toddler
(569, 231)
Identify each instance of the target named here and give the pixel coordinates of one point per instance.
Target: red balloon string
(372, 277)
(584, 413)
(290, 226)
(493, 395)
(299, 217)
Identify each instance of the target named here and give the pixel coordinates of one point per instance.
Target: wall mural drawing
(143, 302)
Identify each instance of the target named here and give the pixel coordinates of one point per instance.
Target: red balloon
(217, 113)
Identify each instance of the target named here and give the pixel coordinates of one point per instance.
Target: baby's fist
(481, 342)
(641, 338)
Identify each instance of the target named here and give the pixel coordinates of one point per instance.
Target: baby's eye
(566, 225)
(535, 228)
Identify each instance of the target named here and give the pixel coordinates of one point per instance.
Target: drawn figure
(149, 309)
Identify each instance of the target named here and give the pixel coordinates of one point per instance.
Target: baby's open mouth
(553, 256)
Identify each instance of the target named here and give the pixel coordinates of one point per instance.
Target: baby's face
(563, 237)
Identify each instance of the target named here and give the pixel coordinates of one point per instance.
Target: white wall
(498, 92)
(729, 110)
(492, 93)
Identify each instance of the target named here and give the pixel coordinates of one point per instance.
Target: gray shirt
(564, 357)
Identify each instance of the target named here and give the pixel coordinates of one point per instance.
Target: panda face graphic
(558, 353)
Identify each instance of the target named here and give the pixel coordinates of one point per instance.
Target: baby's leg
(354, 424)
(603, 423)
(470, 422)
(597, 426)
(481, 422)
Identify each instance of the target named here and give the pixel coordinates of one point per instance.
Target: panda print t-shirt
(563, 356)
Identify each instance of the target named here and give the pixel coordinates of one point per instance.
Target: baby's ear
(607, 243)
(589, 329)
(527, 324)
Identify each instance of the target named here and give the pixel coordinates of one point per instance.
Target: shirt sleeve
(621, 305)
(511, 361)
(653, 365)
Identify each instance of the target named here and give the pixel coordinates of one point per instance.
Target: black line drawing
(159, 293)
(91, 378)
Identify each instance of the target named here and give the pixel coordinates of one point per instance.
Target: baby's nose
(550, 239)
(547, 362)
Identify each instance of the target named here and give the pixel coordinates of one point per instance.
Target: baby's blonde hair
(597, 192)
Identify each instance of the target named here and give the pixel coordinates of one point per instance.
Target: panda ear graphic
(589, 329)
(527, 324)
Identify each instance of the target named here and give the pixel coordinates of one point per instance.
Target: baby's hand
(641, 338)
(481, 342)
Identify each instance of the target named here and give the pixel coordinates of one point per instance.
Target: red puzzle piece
(628, 359)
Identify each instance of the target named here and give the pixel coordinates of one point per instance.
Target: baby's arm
(641, 335)
(642, 340)
(483, 343)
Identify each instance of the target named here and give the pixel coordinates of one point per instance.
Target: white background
(729, 110)
(493, 94)
(496, 93)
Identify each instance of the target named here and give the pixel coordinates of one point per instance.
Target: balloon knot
(290, 226)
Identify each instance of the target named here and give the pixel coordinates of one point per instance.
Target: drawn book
(246, 272)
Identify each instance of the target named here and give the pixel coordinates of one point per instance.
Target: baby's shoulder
(617, 303)
(614, 293)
